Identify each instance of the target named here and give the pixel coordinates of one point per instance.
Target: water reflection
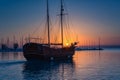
(86, 65)
(49, 70)
(95, 65)
(5, 56)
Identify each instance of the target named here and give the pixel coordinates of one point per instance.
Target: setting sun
(67, 43)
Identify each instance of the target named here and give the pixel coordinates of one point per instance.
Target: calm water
(86, 65)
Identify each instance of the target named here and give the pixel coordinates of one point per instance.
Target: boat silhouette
(42, 51)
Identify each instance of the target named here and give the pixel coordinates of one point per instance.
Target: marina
(59, 40)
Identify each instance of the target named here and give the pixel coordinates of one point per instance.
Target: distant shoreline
(12, 50)
(21, 50)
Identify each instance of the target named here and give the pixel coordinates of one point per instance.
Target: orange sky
(87, 20)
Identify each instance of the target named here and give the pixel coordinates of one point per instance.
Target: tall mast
(48, 23)
(99, 43)
(61, 18)
(14, 39)
(7, 41)
(2, 42)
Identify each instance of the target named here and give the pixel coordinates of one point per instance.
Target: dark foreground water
(86, 65)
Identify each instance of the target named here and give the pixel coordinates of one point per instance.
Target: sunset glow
(87, 21)
(60, 39)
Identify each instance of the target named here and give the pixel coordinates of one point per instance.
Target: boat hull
(34, 51)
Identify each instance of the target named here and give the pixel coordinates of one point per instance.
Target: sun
(67, 44)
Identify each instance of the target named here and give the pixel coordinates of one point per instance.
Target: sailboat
(42, 51)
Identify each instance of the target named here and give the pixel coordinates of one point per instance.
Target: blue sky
(89, 17)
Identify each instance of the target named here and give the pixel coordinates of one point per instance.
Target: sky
(88, 19)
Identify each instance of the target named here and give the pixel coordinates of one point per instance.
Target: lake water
(86, 65)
